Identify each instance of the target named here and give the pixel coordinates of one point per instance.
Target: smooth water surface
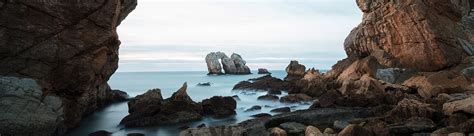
(135, 83)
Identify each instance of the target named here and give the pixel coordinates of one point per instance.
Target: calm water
(135, 83)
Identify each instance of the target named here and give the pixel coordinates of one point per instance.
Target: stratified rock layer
(69, 47)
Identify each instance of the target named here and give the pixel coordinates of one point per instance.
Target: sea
(136, 83)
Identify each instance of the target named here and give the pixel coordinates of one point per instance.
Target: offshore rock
(219, 106)
(233, 65)
(70, 47)
(295, 71)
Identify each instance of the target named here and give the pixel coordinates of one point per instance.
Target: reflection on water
(135, 83)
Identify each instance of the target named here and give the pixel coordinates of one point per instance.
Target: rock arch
(216, 61)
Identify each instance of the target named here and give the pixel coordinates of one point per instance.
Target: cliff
(67, 50)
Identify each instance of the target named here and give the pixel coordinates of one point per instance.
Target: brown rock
(464, 105)
(295, 71)
(432, 84)
(355, 130)
(219, 106)
(266, 83)
(405, 33)
(151, 97)
(312, 131)
(70, 47)
(277, 132)
(281, 110)
(294, 98)
(408, 108)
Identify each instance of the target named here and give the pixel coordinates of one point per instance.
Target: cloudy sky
(176, 35)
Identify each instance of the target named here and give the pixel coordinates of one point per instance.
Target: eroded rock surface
(218, 61)
(69, 47)
(295, 71)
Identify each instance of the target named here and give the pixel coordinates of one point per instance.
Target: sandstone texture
(295, 71)
(69, 47)
(218, 61)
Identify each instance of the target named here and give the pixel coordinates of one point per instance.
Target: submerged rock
(281, 110)
(219, 106)
(254, 108)
(268, 97)
(204, 84)
(261, 115)
(295, 71)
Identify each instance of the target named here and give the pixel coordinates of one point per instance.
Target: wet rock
(339, 125)
(312, 131)
(328, 131)
(266, 82)
(274, 92)
(408, 108)
(201, 125)
(295, 98)
(277, 132)
(219, 106)
(415, 124)
(118, 96)
(178, 108)
(204, 84)
(254, 108)
(135, 134)
(295, 71)
(268, 97)
(281, 110)
(263, 71)
(100, 133)
(140, 102)
(293, 128)
(355, 130)
(465, 105)
(261, 115)
(445, 131)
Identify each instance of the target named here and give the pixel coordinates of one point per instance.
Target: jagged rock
(408, 108)
(355, 130)
(295, 71)
(393, 75)
(312, 74)
(281, 110)
(233, 65)
(464, 105)
(263, 71)
(100, 133)
(293, 128)
(254, 108)
(178, 108)
(312, 131)
(294, 98)
(268, 97)
(70, 47)
(263, 83)
(26, 110)
(433, 84)
(140, 102)
(219, 106)
(276, 131)
(387, 31)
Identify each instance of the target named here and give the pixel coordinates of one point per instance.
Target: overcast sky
(176, 35)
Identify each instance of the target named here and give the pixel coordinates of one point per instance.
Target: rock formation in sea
(61, 54)
(263, 71)
(218, 61)
(409, 71)
(150, 109)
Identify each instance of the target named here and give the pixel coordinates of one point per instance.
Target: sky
(176, 35)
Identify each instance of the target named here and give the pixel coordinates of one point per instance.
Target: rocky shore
(408, 72)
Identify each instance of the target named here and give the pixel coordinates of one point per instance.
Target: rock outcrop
(295, 71)
(233, 65)
(219, 106)
(70, 48)
(263, 71)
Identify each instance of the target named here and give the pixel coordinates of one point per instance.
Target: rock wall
(418, 34)
(69, 47)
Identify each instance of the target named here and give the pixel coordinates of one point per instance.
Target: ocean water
(135, 83)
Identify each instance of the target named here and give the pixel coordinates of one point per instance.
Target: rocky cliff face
(69, 47)
(417, 34)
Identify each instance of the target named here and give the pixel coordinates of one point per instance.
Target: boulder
(178, 108)
(312, 131)
(328, 131)
(408, 108)
(268, 97)
(274, 92)
(261, 115)
(295, 71)
(140, 102)
(432, 84)
(277, 132)
(293, 128)
(281, 110)
(263, 71)
(252, 127)
(219, 106)
(393, 75)
(295, 98)
(254, 108)
(355, 130)
(118, 96)
(465, 105)
(70, 47)
(265, 83)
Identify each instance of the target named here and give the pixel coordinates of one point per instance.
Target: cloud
(184, 31)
